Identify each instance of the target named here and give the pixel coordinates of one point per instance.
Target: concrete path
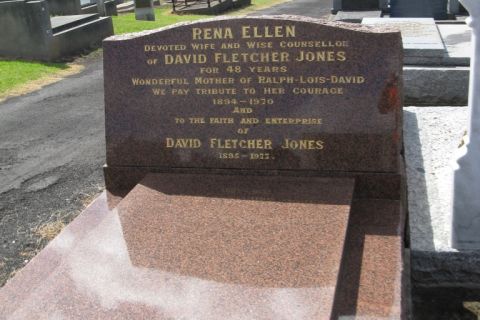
(52, 151)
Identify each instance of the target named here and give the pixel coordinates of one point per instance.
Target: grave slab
(101, 265)
(62, 23)
(457, 42)
(356, 16)
(258, 232)
(436, 86)
(421, 39)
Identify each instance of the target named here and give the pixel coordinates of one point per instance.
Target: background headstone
(144, 10)
(101, 7)
(359, 5)
(419, 9)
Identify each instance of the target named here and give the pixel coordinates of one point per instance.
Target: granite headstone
(260, 93)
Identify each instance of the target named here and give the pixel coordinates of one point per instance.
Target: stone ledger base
(184, 246)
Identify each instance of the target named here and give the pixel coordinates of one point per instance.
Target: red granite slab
(372, 282)
(96, 269)
(256, 231)
(252, 252)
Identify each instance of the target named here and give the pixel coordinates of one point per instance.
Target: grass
(14, 73)
(50, 230)
(126, 23)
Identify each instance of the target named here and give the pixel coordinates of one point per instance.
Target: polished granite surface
(184, 246)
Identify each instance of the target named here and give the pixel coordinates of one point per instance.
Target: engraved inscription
(247, 80)
(267, 93)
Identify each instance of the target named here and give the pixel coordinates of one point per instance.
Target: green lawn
(14, 73)
(126, 23)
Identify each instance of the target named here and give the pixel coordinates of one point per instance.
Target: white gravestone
(466, 193)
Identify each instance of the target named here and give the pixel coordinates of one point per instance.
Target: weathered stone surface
(435, 86)
(356, 16)
(432, 134)
(188, 124)
(421, 39)
(28, 32)
(457, 39)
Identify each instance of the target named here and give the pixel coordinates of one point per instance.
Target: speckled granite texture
(432, 137)
(360, 129)
(152, 257)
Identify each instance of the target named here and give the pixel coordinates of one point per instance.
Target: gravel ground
(52, 151)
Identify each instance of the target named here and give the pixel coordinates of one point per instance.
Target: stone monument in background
(144, 10)
(359, 5)
(31, 31)
(419, 9)
(466, 193)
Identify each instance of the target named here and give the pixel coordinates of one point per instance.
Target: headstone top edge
(336, 24)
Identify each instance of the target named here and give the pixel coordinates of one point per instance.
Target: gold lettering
(212, 33)
(293, 121)
(219, 143)
(321, 56)
(249, 32)
(302, 144)
(183, 143)
(318, 90)
(185, 58)
(196, 33)
(252, 57)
